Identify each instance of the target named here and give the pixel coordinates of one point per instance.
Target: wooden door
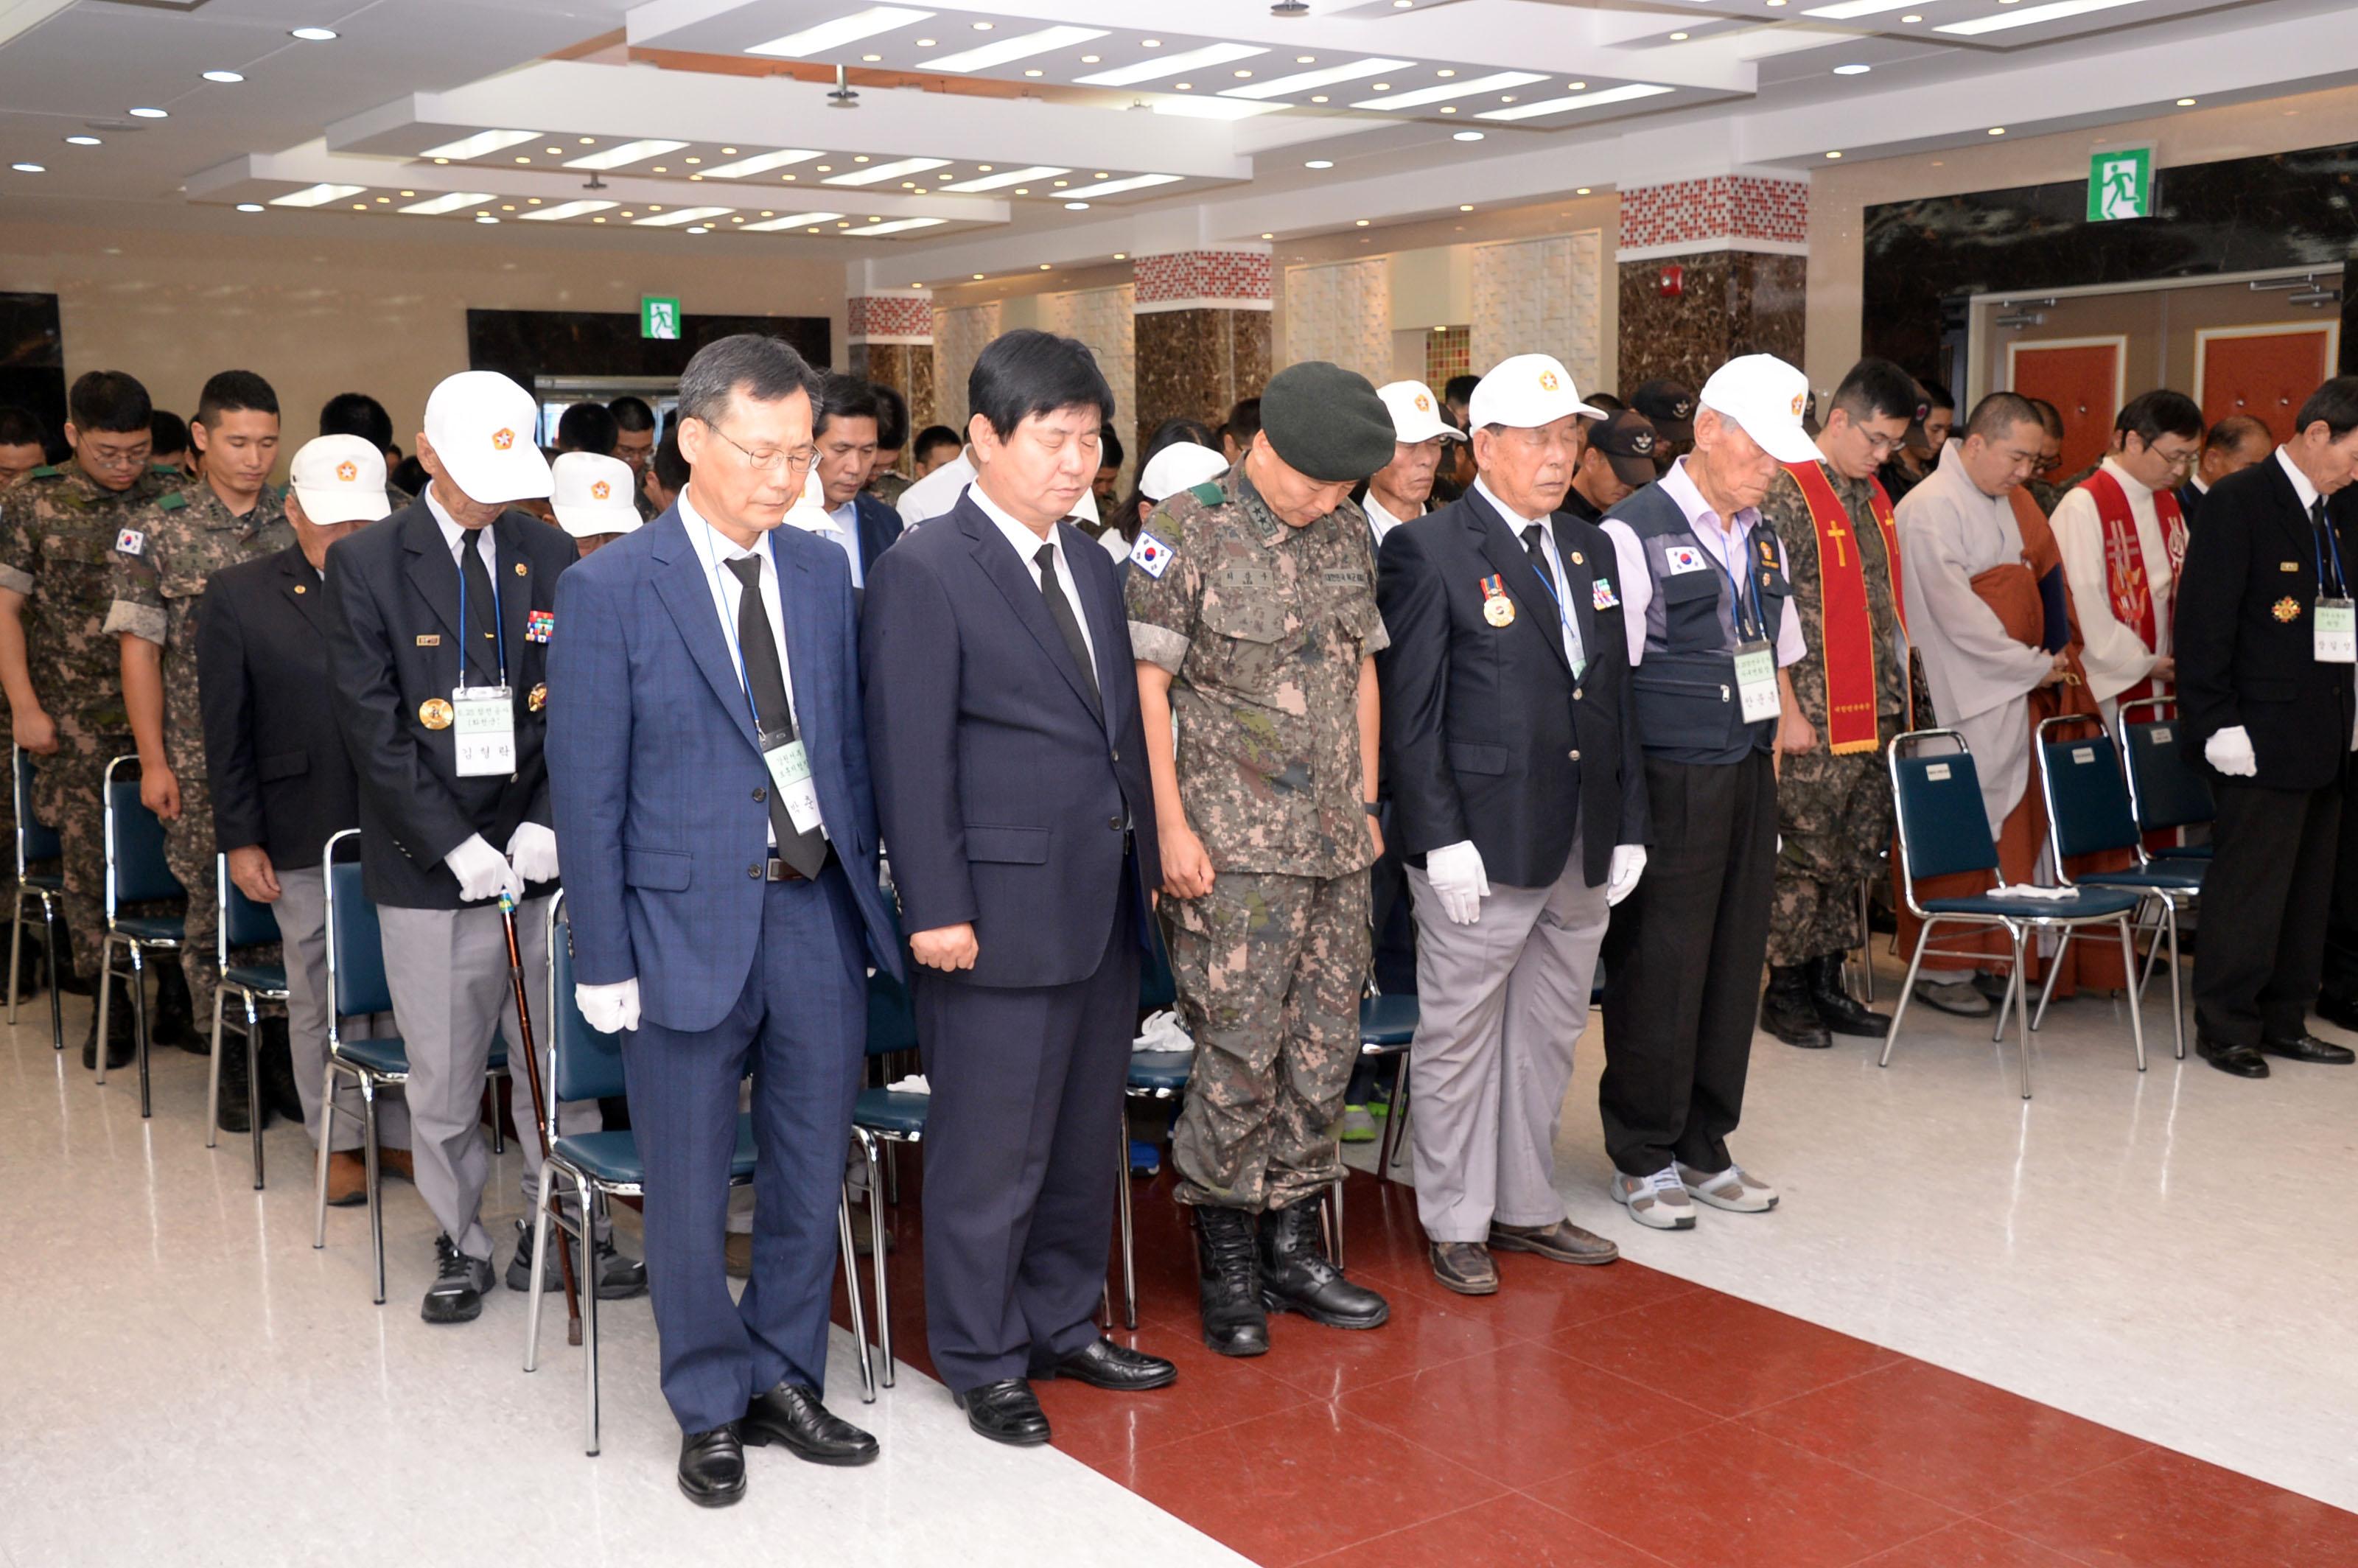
(2081, 376)
(2266, 371)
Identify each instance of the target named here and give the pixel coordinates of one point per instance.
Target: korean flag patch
(1151, 555)
(1684, 558)
(131, 542)
(1601, 592)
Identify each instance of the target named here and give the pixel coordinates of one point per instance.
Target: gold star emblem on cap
(503, 440)
(348, 472)
(1424, 404)
(599, 490)
(1547, 381)
(1799, 399)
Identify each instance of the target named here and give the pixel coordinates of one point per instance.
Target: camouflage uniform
(1834, 813)
(887, 487)
(57, 528)
(1263, 627)
(163, 558)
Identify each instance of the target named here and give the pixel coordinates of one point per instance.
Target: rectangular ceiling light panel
(435, 206)
(1007, 50)
(316, 195)
(1310, 81)
(1175, 65)
(1116, 186)
(1850, 10)
(1625, 94)
(842, 30)
(760, 163)
(2028, 16)
(791, 221)
(564, 209)
(482, 143)
(876, 173)
(682, 215)
(1450, 91)
(870, 231)
(624, 153)
(1006, 178)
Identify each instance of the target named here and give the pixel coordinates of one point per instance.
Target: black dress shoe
(1102, 1364)
(2341, 1012)
(2242, 1061)
(712, 1467)
(2307, 1047)
(792, 1416)
(1006, 1411)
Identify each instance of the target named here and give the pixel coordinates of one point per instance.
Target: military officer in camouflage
(1252, 613)
(58, 531)
(162, 558)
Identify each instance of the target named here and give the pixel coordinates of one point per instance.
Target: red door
(2082, 380)
(2267, 373)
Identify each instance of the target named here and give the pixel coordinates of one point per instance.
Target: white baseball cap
(1416, 413)
(340, 479)
(1178, 466)
(591, 494)
(1525, 393)
(1765, 397)
(481, 426)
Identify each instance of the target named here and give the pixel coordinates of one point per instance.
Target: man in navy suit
(709, 775)
(1011, 777)
(844, 425)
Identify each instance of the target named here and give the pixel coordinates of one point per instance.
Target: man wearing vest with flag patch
(1834, 800)
(2124, 543)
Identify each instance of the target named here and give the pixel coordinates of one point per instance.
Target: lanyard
(1741, 590)
(2341, 583)
(1547, 580)
(465, 628)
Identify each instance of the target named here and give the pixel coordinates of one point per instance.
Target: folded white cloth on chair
(1160, 1032)
(2025, 890)
(914, 1083)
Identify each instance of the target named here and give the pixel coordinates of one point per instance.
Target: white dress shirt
(1026, 543)
(1383, 521)
(1566, 616)
(937, 493)
(2115, 657)
(1638, 577)
(841, 528)
(458, 536)
(713, 550)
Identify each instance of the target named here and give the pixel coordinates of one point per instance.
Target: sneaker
(1659, 1200)
(1358, 1125)
(1734, 1189)
(460, 1282)
(1961, 998)
(619, 1278)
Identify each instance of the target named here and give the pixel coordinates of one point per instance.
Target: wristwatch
(1374, 808)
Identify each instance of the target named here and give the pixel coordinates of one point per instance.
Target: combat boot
(1234, 1323)
(1836, 1008)
(174, 1020)
(1296, 1275)
(1787, 1012)
(278, 1088)
(120, 1042)
(234, 1115)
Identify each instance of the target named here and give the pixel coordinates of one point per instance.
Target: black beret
(1326, 423)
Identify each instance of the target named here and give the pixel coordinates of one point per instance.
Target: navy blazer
(660, 791)
(878, 526)
(1005, 792)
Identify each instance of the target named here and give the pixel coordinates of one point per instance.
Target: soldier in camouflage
(58, 531)
(1253, 612)
(162, 558)
(1834, 806)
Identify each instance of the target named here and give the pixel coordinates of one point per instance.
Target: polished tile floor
(2102, 1328)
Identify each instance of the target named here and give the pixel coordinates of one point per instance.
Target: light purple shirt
(1637, 578)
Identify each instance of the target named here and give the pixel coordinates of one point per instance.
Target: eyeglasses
(114, 457)
(769, 461)
(1883, 445)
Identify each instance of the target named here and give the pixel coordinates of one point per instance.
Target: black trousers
(1683, 967)
(2264, 897)
(1022, 1148)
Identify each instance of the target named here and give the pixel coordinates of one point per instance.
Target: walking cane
(540, 1124)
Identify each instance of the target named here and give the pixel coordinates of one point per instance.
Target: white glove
(483, 871)
(609, 1009)
(532, 851)
(1629, 865)
(2230, 751)
(1458, 881)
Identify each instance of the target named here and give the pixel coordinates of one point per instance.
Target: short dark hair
(632, 414)
(588, 427)
(22, 427)
(1025, 373)
(235, 392)
(1937, 396)
(892, 417)
(1877, 389)
(1244, 422)
(2149, 416)
(1174, 432)
(170, 433)
(768, 369)
(1998, 413)
(932, 436)
(409, 474)
(357, 413)
(1605, 400)
(670, 464)
(2234, 431)
(1109, 448)
(845, 397)
(1460, 388)
(2050, 418)
(111, 401)
(2336, 403)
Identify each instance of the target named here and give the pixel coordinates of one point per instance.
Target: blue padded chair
(584, 1063)
(1387, 1028)
(2088, 813)
(35, 842)
(1944, 831)
(882, 1117)
(2165, 790)
(136, 872)
(243, 923)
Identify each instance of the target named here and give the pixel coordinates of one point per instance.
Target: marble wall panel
(907, 369)
(1197, 363)
(1734, 302)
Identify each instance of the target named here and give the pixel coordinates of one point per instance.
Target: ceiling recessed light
(977, 278)
(82, 141)
(1678, 37)
(1998, 130)
(1241, 75)
(1833, 154)
(727, 152)
(1320, 163)
(1383, 87)
(1318, 98)
(384, 199)
(522, 158)
(698, 229)
(1444, 70)
(1022, 190)
(925, 43)
(224, 77)
(145, 114)
(1091, 59)
(1361, 222)
(871, 58)
(860, 158)
(2183, 103)
(1187, 86)
(1122, 255)
(1035, 70)
(441, 160)
(249, 207)
(1449, 108)
(1150, 43)
(1043, 267)
(29, 167)
(485, 218)
(1911, 18)
(659, 169)
(360, 206)
(314, 35)
(1464, 207)
(507, 206)
(1076, 206)
(826, 168)
(1305, 59)
(1101, 174)
(588, 141)
(1582, 191)
(560, 152)
(1465, 135)
(1853, 69)
(984, 27)
(407, 193)
(1268, 237)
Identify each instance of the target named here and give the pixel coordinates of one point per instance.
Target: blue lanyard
(1547, 581)
(2341, 583)
(465, 628)
(1741, 588)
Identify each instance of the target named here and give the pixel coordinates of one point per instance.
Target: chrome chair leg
(1334, 1222)
(253, 1077)
(588, 1282)
(212, 1074)
(540, 1201)
(138, 1026)
(1907, 992)
(1867, 939)
(106, 998)
(1129, 1246)
(375, 1197)
(16, 953)
(328, 1113)
(2017, 979)
(2177, 1003)
(2137, 1013)
(851, 1291)
(876, 1250)
(2055, 972)
(2018, 992)
(1388, 1152)
(49, 951)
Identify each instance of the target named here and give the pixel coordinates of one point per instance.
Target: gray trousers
(1500, 1005)
(447, 971)
(302, 912)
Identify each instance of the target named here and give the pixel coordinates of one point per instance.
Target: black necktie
(481, 637)
(1060, 611)
(765, 677)
(2322, 540)
(1533, 534)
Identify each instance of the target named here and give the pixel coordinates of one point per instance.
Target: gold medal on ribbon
(1498, 610)
(434, 713)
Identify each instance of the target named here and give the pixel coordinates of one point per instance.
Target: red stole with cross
(2125, 583)
(1846, 630)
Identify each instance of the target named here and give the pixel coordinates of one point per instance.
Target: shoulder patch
(172, 500)
(47, 470)
(131, 542)
(1149, 555)
(1209, 492)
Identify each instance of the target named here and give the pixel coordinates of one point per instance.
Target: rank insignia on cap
(1684, 558)
(599, 489)
(1547, 381)
(1641, 442)
(1603, 594)
(538, 625)
(430, 639)
(2288, 609)
(503, 440)
(1799, 399)
(348, 472)
(536, 699)
(131, 542)
(1151, 554)
(1681, 407)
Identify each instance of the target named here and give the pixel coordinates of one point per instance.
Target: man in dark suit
(439, 626)
(1011, 781)
(2231, 446)
(710, 774)
(1519, 794)
(281, 783)
(858, 523)
(2265, 655)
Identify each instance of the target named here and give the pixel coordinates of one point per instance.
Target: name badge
(2337, 631)
(484, 730)
(790, 775)
(1756, 681)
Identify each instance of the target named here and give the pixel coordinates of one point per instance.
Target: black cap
(1627, 441)
(1326, 423)
(1670, 405)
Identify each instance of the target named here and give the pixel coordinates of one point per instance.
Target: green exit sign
(658, 318)
(2120, 185)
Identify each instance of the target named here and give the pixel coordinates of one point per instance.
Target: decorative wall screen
(960, 334)
(1341, 312)
(1540, 297)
